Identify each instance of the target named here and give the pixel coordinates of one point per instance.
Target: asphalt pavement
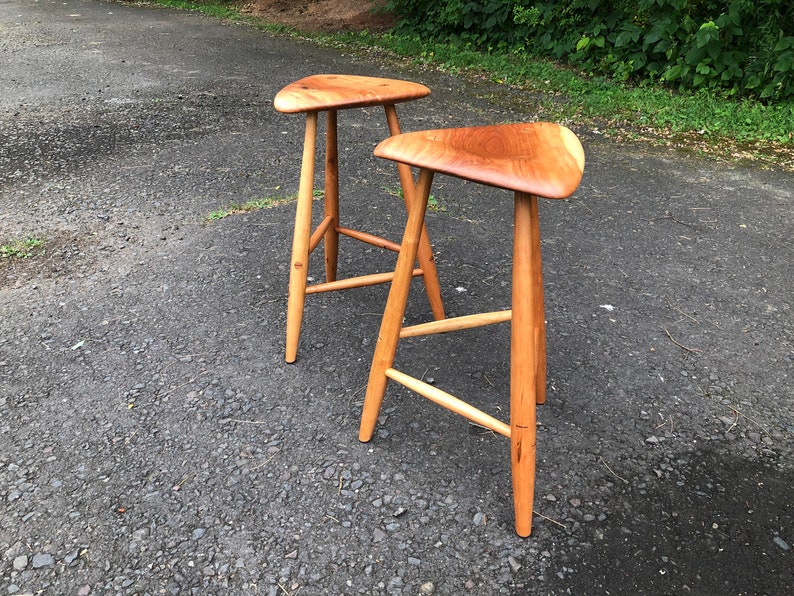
(153, 441)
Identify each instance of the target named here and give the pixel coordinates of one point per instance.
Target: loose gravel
(153, 441)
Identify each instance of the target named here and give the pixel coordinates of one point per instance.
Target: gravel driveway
(152, 440)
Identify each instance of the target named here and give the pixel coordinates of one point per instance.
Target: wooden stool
(539, 159)
(330, 93)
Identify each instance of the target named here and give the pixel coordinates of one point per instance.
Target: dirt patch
(323, 15)
(61, 253)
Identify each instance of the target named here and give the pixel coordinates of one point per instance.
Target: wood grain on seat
(539, 158)
(339, 92)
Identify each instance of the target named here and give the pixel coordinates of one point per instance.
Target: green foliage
(563, 94)
(727, 123)
(21, 248)
(742, 47)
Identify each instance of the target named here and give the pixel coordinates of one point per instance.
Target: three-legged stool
(533, 160)
(330, 93)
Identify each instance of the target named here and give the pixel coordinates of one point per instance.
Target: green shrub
(742, 47)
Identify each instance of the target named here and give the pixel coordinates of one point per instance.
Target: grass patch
(229, 10)
(22, 248)
(564, 94)
(704, 121)
(212, 8)
(255, 205)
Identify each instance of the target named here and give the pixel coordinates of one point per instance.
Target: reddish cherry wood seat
(318, 93)
(329, 93)
(538, 159)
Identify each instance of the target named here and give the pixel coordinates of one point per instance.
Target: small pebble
(781, 543)
(43, 560)
(71, 557)
(20, 562)
(140, 534)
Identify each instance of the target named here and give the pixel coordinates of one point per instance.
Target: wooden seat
(533, 160)
(330, 93)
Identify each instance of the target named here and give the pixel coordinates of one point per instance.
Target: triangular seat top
(338, 92)
(539, 158)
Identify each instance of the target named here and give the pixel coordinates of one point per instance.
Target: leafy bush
(744, 47)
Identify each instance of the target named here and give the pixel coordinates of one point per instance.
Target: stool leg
(331, 200)
(299, 265)
(393, 314)
(539, 318)
(425, 253)
(527, 318)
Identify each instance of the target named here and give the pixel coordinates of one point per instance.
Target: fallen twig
(554, 521)
(680, 345)
(485, 429)
(735, 421)
(681, 312)
(611, 471)
(179, 484)
(743, 415)
(267, 461)
(354, 394)
(665, 424)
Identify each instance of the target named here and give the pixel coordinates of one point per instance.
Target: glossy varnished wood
(328, 94)
(538, 158)
(527, 321)
(339, 92)
(533, 160)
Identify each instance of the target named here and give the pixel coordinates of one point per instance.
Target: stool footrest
(356, 282)
(449, 401)
(457, 323)
(318, 234)
(370, 239)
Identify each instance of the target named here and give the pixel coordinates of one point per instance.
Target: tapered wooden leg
(524, 358)
(331, 237)
(389, 334)
(425, 253)
(539, 319)
(299, 264)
